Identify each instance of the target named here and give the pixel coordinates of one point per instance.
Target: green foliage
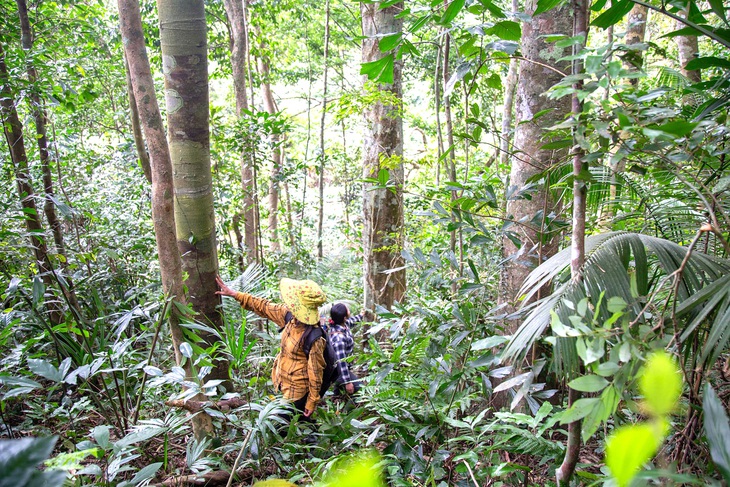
(19, 460)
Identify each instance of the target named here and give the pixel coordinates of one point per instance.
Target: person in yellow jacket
(298, 377)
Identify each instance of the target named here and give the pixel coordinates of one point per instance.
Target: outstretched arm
(260, 306)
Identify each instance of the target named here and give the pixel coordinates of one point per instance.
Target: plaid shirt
(342, 342)
(292, 373)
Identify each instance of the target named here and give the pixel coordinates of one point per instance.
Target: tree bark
(144, 158)
(271, 109)
(183, 39)
(239, 48)
(322, 154)
(450, 140)
(163, 214)
(577, 242)
(635, 34)
(687, 50)
(382, 208)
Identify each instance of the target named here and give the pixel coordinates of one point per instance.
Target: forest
(528, 200)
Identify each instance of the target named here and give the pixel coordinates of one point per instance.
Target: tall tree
(528, 206)
(687, 50)
(322, 154)
(239, 49)
(163, 214)
(183, 39)
(383, 149)
(40, 117)
(13, 130)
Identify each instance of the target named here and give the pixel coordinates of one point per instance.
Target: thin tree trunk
(13, 130)
(383, 208)
(577, 243)
(322, 154)
(163, 215)
(451, 148)
(437, 99)
(270, 107)
(144, 158)
(49, 207)
(239, 48)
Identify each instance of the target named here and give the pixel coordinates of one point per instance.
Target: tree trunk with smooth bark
(183, 39)
(383, 208)
(163, 193)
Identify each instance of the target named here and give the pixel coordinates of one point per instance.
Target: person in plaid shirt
(298, 377)
(342, 342)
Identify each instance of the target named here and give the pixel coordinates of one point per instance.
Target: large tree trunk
(163, 214)
(183, 38)
(39, 116)
(383, 209)
(13, 130)
(508, 106)
(539, 70)
(239, 47)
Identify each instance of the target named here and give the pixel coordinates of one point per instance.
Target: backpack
(331, 372)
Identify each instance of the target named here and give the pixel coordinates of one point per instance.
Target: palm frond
(611, 258)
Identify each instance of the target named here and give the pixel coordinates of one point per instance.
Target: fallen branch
(197, 406)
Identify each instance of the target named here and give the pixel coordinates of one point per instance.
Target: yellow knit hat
(303, 299)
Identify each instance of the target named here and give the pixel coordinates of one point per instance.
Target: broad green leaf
(614, 14)
(680, 128)
(389, 42)
(383, 176)
(363, 470)
(579, 410)
(719, 6)
(661, 384)
(588, 383)
(452, 11)
(558, 144)
(507, 30)
(39, 290)
(628, 448)
(45, 369)
(707, 62)
(19, 460)
(489, 342)
(186, 349)
(380, 70)
(545, 5)
(717, 431)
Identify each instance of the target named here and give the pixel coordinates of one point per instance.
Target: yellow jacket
(292, 373)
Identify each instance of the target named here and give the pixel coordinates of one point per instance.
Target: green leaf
(39, 290)
(274, 483)
(661, 384)
(717, 431)
(380, 70)
(579, 410)
(707, 62)
(383, 176)
(19, 460)
(558, 144)
(718, 6)
(389, 42)
(452, 11)
(489, 342)
(545, 5)
(45, 369)
(616, 12)
(507, 30)
(362, 470)
(680, 128)
(588, 383)
(628, 448)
